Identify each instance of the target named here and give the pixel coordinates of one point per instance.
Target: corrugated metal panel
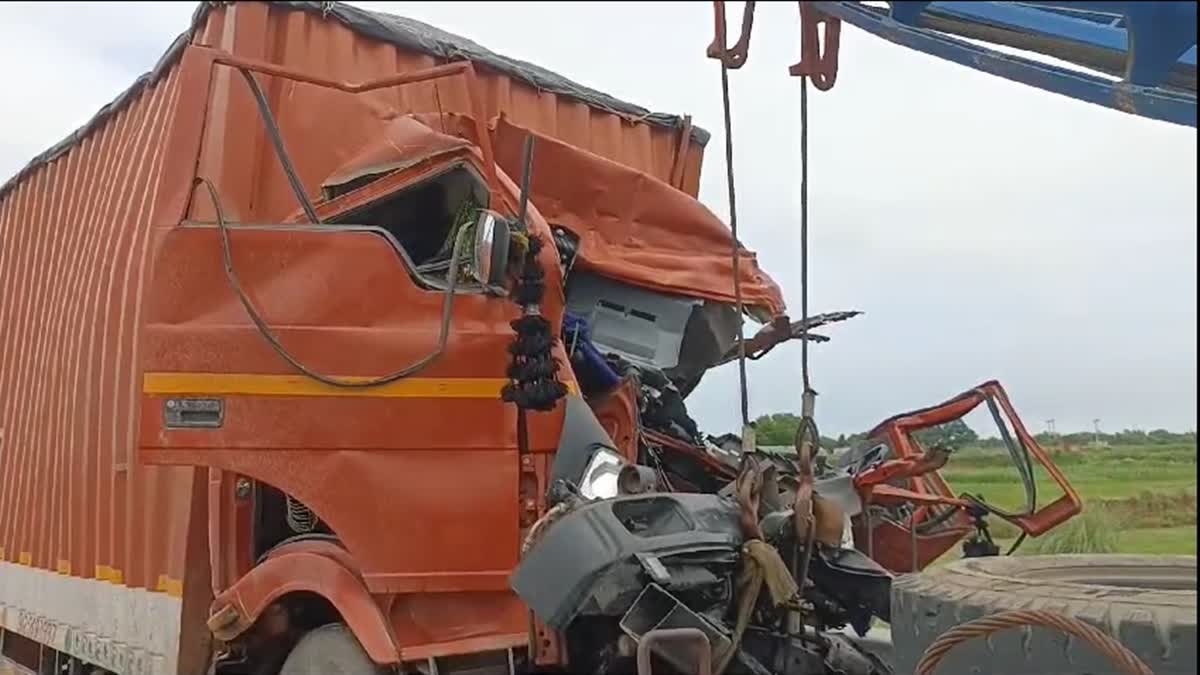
(384, 29)
(300, 40)
(74, 237)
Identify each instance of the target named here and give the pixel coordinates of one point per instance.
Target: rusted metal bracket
(733, 57)
(819, 65)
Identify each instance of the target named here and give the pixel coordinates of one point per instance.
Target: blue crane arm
(1137, 57)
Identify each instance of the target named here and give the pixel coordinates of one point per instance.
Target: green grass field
(1137, 499)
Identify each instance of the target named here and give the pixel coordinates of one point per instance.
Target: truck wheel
(1146, 602)
(329, 650)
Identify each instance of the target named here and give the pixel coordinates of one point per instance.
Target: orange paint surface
(100, 286)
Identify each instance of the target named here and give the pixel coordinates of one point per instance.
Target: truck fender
(235, 610)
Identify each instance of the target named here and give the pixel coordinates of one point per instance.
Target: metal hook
(734, 57)
(818, 64)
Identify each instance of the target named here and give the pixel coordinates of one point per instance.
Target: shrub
(1096, 530)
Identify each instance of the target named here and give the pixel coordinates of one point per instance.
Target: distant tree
(953, 435)
(1162, 437)
(776, 429)
(1127, 437)
(854, 439)
(779, 429)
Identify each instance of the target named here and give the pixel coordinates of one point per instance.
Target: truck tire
(329, 650)
(1147, 602)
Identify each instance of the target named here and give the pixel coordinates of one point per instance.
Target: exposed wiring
(270, 337)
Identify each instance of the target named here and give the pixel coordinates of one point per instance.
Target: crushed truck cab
(195, 488)
(266, 317)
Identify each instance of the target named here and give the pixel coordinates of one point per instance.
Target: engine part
(1147, 602)
(567, 243)
(842, 656)
(813, 654)
(656, 610)
(561, 576)
(642, 326)
(675, 635)
(855, 582)
(635, 479)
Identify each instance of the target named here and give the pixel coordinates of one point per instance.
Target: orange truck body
(128, 542)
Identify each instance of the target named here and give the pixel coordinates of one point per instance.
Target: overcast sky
(987, 229)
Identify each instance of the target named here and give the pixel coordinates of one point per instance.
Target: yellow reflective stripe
(237, 384)
(232, 384)
(110, 574)
(172, 587)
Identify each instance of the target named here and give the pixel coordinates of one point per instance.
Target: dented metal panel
(346, 37)
(105, 549)
(336, 125)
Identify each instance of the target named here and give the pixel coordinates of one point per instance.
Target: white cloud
(988, 229)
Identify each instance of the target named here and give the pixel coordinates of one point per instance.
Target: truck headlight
(600, 476)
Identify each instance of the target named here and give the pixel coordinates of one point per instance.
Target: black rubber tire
(1146, 602)
(329, 650)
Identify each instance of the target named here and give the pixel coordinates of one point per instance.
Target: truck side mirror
(492, 239)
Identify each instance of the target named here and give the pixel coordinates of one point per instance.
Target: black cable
(1017, 544)
(1020, 459)
(930, 524)
(1024, 464)
(269, 336)
(737, 275)
(804, 234)
(264, 111)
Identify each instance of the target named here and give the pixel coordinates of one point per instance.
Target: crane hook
(733, 57)
(820, 65)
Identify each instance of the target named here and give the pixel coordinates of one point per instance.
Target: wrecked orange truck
(157, 450)
(263, 324)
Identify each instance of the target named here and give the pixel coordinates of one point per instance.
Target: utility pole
(1096, 426)
(1050, 426)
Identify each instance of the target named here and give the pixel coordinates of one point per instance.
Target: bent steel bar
(1165, 52)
